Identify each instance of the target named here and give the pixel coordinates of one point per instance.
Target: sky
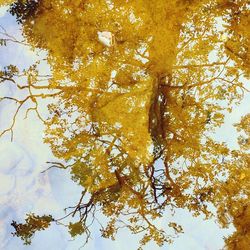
(23, 188)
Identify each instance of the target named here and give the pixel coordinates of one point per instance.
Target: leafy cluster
(24, 9)
(33, 223)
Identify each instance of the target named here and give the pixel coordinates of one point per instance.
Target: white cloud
(3, 11)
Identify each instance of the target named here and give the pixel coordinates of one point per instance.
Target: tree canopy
(136, 90)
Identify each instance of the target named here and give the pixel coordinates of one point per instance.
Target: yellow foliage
(133, 114)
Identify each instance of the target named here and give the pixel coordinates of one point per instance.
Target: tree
(238, 205)
(132, 116)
